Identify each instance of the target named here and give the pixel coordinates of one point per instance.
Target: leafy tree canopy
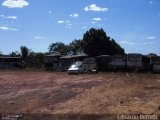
(76, 47)
(24, 52)
(58, 47)
(15, 54)
(96, 42)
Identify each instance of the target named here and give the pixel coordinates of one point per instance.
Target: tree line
(95, 42)
(29, 57)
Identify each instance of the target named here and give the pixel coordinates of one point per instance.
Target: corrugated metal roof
(9, 57)
(53, 55)
(74, 56)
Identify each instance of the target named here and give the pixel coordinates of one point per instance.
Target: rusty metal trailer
(155, 64)
(102, 62)
(118, 62)
(137, 62)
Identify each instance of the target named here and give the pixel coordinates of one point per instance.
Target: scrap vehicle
(90, 65)
(68, 60)
(118, 62)
(76, 67)
(137, 62)
(155, 64)
(102, 62)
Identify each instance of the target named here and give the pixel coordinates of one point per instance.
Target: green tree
(96, 42)
(76, 47)
(15, 54)
(116, 48)
(0, 53)
(35, 59)
(40, 57)
(152, 54)
(24, 52)
(59, 47)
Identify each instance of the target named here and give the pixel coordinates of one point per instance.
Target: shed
(8, 62)
(51, 62)
(66, 61)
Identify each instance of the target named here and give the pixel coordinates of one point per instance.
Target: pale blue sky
(134, 24)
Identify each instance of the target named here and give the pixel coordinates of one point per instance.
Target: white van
(87, 66)
(76, 67)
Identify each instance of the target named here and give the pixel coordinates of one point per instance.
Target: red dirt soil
(57, 92)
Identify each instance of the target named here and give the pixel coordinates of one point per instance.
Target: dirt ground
(57, 93)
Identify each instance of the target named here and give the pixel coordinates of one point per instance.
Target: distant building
(59, 62)
(66, 61)
(51, 62)
(7, 62)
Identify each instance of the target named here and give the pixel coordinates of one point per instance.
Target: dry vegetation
(58, 92)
